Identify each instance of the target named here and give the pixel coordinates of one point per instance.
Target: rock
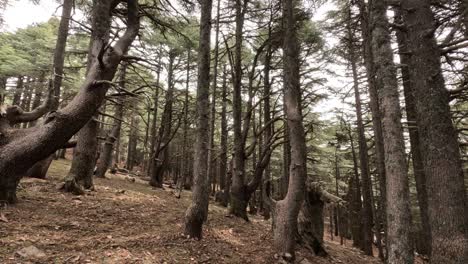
(31, 252)
(305, 261)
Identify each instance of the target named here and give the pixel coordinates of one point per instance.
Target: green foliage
(28, 51)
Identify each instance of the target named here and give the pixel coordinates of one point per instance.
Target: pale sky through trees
(21, 13)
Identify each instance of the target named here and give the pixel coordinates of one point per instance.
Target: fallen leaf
(3, 218)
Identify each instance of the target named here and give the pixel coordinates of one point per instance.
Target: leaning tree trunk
(287, 210)
(447, 202)
(27, 147)
(399, 247)
(41, 168)
(198, 210)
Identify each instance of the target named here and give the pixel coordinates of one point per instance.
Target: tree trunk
(198, 210)
(376, 118)
(84, 160)
(418, 169)
(366, 243)
(223, 196)
(310, 224)
(286, 211)
(355, 206)
(184, 168)
(114, 135)
(59, 53)
(132, 142)
(211, 150)
(399, 247)
(161, 153)
(155, 119)
(238, 202)
(438, 138)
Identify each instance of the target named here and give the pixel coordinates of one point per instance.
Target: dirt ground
(129, 222)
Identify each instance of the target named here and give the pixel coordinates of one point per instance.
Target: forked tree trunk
(198, 210)
(438, 138)
(26, 147)
(286, 211)
(399, 247)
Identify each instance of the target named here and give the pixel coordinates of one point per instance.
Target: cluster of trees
(145, 87)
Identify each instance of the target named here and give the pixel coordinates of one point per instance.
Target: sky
(21, 13)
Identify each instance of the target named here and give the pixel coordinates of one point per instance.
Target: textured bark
(267, 134)
(310, 224)
(418, 168)
(238, 202)
(59, 53)
(223, 195)
(380, 220)
(286, 211)
(161, 152)
(366, 211)
(211, 147)
(84, 160)
(132, 142)
(114, 135)
(464, 11)
(438, 138)
(29, 146)
(155, 119)
(185, 161)
(399, 247)
(198, 210)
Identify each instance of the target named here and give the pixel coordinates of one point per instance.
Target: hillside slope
(129, 222)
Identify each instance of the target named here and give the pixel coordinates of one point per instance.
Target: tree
(438, 137)
(198, 210)
(399, 247)
(27, 147)
(286, 211)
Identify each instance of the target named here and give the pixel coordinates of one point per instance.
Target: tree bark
(198, 210)
(418, 168)
(399, 247)
(114, 135)
(286, 211)
(29, 146)
(239, 201)
(438, 138)
(59, 53)
(84, 160)
(161, 153)
(366, 212)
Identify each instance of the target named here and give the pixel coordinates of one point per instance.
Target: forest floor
(128, 222)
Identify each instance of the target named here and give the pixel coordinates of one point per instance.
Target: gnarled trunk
(26, 147)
